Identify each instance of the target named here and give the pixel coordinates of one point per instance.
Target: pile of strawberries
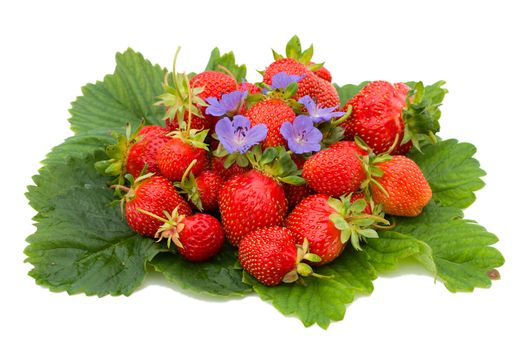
(281, 169)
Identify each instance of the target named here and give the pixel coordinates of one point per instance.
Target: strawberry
(271, 256)
(295, 194)
(335, 171)
(377, 115)
(197, 237)
(273, 113)
(251, 88)
(214, 84)
(155, 195)
(202, 191)
(175, 157)
(152, 138)
(328, 223)
(407, 190)
(250, 201)
(217, 165)
(197, 123)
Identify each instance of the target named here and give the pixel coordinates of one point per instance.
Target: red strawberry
(295, 194)
(311, 219)
(408, 190)
(217, 164)
(250, 201)
(361, 195)
(328, 223)
(154, 195)
(377, 115)
(145, 150)
(215, 84)
(197, 123)
(271, 256)
(176, 155)
(251, 88)
(273, 113)
(334, 171)
(326, 95)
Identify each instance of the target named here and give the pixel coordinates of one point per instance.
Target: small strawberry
(273, 113)
(175, 157)
(322, 73)
(400, 187)
(144, 151)
(202, 190)
(197, 237)
(328, 223)
(295, 194)
(250, 201)
(335, 171)
(197, 123)
(271, 256)
(214, 84)
(251, 88)
(155, 195)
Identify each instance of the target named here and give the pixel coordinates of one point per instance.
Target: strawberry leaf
(220, 276)
(451, 172)
(227, 60)
(73, 252)
(460, 248)
(322, 300)
(127, 95)
(348, 91)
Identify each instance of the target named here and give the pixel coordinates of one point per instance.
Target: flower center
(300, 138)
(240, 135)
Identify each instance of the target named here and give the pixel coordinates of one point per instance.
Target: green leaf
(348, 91)
(126, 95)
(227, 61)
(461, 249)
(322, 300)
(85, 246)
(217, 277)
(451, 172)
(293, 47)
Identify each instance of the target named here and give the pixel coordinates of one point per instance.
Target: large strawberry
(273, 113)
(271, 256)
(377, 115)
(335, 171)
(250, 201)
(402, 188)
(154, 195)
(328, 223)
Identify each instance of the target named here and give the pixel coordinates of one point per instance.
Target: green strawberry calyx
(354, 224)
(117, 154)
(180, 98)
(421, 114)
(277, 163)
(302, 268)
(172, 226)
(188, 186)
(294, 50)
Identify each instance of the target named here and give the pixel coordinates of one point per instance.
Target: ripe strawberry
(152, 138)
(250, 201)
(273, 113)
(295, 194)
(202, 191)
(408, 190)
(377, 115)
(197, 123)
(176, 155)
(271, 256)
(215, 84)
(154, 195)
(328, 223)
(361, 195)
(334, 171)
(311, 219)
(251, 88)
(217, 165)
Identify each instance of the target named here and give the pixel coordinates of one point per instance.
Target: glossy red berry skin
(176, 155)
(268, 254)
(201, 238)
(209, 184)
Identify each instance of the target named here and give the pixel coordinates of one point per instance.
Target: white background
(50, 49)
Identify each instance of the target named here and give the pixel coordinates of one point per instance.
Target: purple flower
(229, 103)
(281, 80)
(319, 114)
(302, 135)
(237, 136)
